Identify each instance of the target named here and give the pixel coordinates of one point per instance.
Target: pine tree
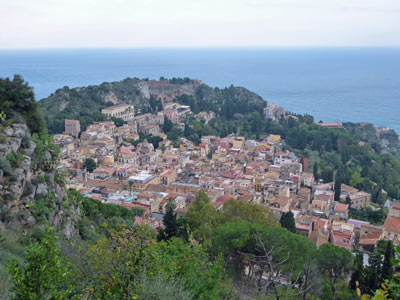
(170, 225)
(287, 221)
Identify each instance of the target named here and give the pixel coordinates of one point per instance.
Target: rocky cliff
(31, 190)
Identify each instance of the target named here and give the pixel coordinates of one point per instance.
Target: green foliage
(155, 140)
(45, 275)
(202, 217)
(338, 189)
(90, 165)
(334, 262)
(17, 100)
(85, 104)
(118, 265)
(239, 210)
(99, 218)
(118, 121)
(287, 221)
(367, 214)
(170, 225)
(162, 288)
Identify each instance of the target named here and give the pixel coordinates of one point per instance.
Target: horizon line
(205, 47)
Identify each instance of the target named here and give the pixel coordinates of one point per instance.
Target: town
(113, 165)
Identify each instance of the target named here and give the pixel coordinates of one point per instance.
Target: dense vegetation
(223, 262)
(85, 104)
(18, 103)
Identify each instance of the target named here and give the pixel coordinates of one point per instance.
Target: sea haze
(333, 84)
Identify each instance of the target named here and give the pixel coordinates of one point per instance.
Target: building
(359, 200)
(124, 111)
(272, 111)
(331, 124)
(72, 127)
(392, 229)
(171, 114)
(143, 179)
(394, 210)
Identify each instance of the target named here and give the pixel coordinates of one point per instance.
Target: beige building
(72, 127)
(123, 111)
(359, 200)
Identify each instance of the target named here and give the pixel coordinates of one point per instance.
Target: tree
(357, 274)
(234, 209)
(335, 262)
(230, 239)
(287, 221)
(338, 189)
(387, 267)
(90, 165)
(186, 131)
(118, 121)
(348, 201)
(315, 171)
(167, 126)
(45, 275)
(170, 225)
(130, 182)
(202, 217)
(17, 100)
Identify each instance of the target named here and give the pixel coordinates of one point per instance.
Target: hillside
(85, 103)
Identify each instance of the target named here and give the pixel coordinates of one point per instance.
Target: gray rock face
(47, 155)
(4, 149)
(20, 131)
(9, 131)
(26, 163)
(20, 190)
(14, 143)
(31, 220)
(41, 190)
(30, 149)
(69, 229)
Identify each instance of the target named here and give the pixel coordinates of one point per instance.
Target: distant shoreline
(333, 84)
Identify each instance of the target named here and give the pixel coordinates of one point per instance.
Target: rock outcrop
(28, 193)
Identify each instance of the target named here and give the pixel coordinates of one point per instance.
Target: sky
(198, 23)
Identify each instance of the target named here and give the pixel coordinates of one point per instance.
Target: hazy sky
(169, 23)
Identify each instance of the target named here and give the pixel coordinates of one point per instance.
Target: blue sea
(333, 84)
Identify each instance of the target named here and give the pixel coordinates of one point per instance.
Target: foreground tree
(45, 275)
(335, 262)
(235, 210)
(202, 218)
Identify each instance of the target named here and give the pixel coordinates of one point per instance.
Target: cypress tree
(287, 221)
(387, 268)
(315, 171)
(338, 189)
